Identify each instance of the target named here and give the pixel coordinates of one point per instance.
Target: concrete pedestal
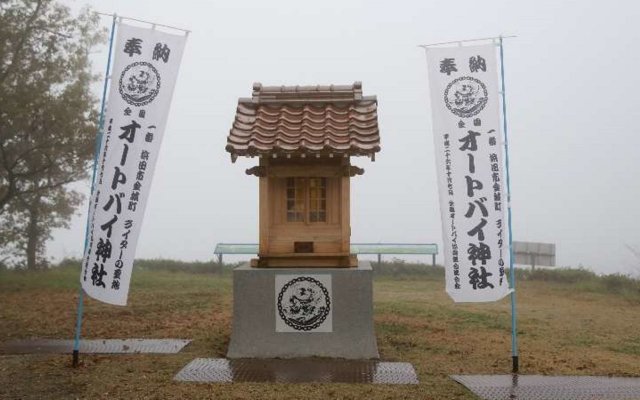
(303, 312)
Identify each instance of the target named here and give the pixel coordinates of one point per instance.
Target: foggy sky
(572, 97)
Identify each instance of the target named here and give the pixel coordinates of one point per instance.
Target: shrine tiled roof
(285, 120)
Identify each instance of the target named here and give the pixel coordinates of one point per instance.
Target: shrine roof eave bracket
(262, 171)
(306, 154)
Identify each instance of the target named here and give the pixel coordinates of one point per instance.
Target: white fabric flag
(469, 164)
(144, 73)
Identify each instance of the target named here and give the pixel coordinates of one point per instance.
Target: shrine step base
(309, 370)
(256, 333)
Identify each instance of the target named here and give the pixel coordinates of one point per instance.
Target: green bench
(356, 248)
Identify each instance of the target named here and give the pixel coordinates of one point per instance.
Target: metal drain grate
(537, 387)
(297, 371)
(95, 346)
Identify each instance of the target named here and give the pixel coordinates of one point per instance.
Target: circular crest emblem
(465, 96)
(139, 83)
(304, 303)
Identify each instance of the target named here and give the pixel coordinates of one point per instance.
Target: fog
(573, 112)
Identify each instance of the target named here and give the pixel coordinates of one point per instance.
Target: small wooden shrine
(304, 138)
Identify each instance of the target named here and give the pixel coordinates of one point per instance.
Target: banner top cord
(425, 46)
(144, 22)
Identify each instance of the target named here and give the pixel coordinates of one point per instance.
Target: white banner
(469, 164)
(144, 73)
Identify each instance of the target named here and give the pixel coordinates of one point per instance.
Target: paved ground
(95, 346)
(537, 387)
(310, 370)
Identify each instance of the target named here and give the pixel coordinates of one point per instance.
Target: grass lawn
(573, 327)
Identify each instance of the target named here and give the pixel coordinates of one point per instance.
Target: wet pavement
(318, 370)
(94, 346)
(538, 387)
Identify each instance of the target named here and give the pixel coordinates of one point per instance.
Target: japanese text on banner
(146, 63)
(469, 164)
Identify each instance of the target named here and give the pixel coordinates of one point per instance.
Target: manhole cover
(297, 371)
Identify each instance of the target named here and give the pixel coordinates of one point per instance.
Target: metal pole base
(514, 368)
(76, 356)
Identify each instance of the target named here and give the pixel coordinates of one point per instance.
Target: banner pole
(514, 328)
(76, 339)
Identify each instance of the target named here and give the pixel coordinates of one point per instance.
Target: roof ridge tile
(331, 118)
